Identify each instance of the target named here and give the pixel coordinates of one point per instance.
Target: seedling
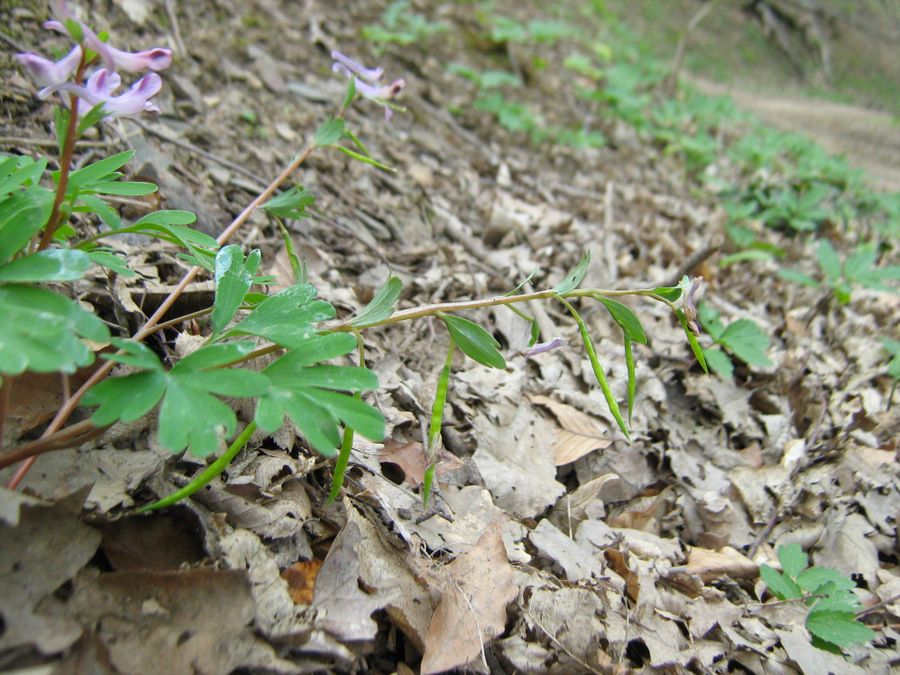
(828, 594)
(743, 339)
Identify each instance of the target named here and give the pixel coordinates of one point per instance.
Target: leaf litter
(552, 545)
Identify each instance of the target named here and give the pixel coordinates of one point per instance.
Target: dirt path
(870, 140)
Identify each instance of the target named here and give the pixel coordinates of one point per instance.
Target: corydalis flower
(690, 308)
(102, 84)
(100, 88)
(542, 347)
(368, 81)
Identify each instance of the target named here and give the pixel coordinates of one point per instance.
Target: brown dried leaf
(711, 564)
(301, 579)
(578, 433)
(472, 611)
(410, 457)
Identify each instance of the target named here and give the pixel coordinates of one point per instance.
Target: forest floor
(552, 544)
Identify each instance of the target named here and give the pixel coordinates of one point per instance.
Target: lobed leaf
(747, 341)
(286, 318)
(21, 215)
(839, 628)
(42, 331)
(330, 132)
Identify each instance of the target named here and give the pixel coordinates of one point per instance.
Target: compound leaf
(61, 264)
(286, 318)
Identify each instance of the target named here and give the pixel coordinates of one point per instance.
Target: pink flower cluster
(101, 85)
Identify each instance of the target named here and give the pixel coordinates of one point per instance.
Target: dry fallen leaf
(410, 457)
(301, 579)
(475, 590)
(577, 435)
(345, 610)
(712, 564)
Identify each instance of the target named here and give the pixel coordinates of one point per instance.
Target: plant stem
(208, 474)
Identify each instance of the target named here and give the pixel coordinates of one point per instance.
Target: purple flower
(46, 72)
(542, 347)
(100, 88)
(133, 62)
(368, 81)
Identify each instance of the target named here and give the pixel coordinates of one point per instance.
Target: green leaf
(692, 340)
(233, 278)
(474, 341)
(61, 264)
(124, 188)
(42, 331)
(798, 277)
(840, 628)
(21, 215)
(861, 261)
(126, 398)
(719, 361)
(382, 305)
(93, 116)
(286, 318)
(793, 560)
(575, 277)
(18, 171)
(311, 395)
(670, 293)
(829, 261)
(351, 93)
(100, 170)
(780, 585)
(814, 578)
(632, 377)
(747, 341)
(94, 204)
(627, 320)
(291, 204)
(748, 254)
(190, 414)
(330, 132)
(107, 257)
(136, 354)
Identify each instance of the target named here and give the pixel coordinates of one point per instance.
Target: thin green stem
(343, 458)
(598, 369)
(437, 417)
(208, 474)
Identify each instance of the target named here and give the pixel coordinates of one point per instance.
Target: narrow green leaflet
(286, 318)
(798, 278)
(670, 293)
(692, 340)
(124, 188)
(474, 341)
(291, 204)
(107, 257)
(233, 276)
(382, 305)
(575, 277)
(94, 115)
(21, 215)
(191, 415)
(42, 331)
(829, 261)
(61, 264)
(627, 320)
(89, 203)
(330, 132)
(311, 393)
(104, 169)
(18, 171)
